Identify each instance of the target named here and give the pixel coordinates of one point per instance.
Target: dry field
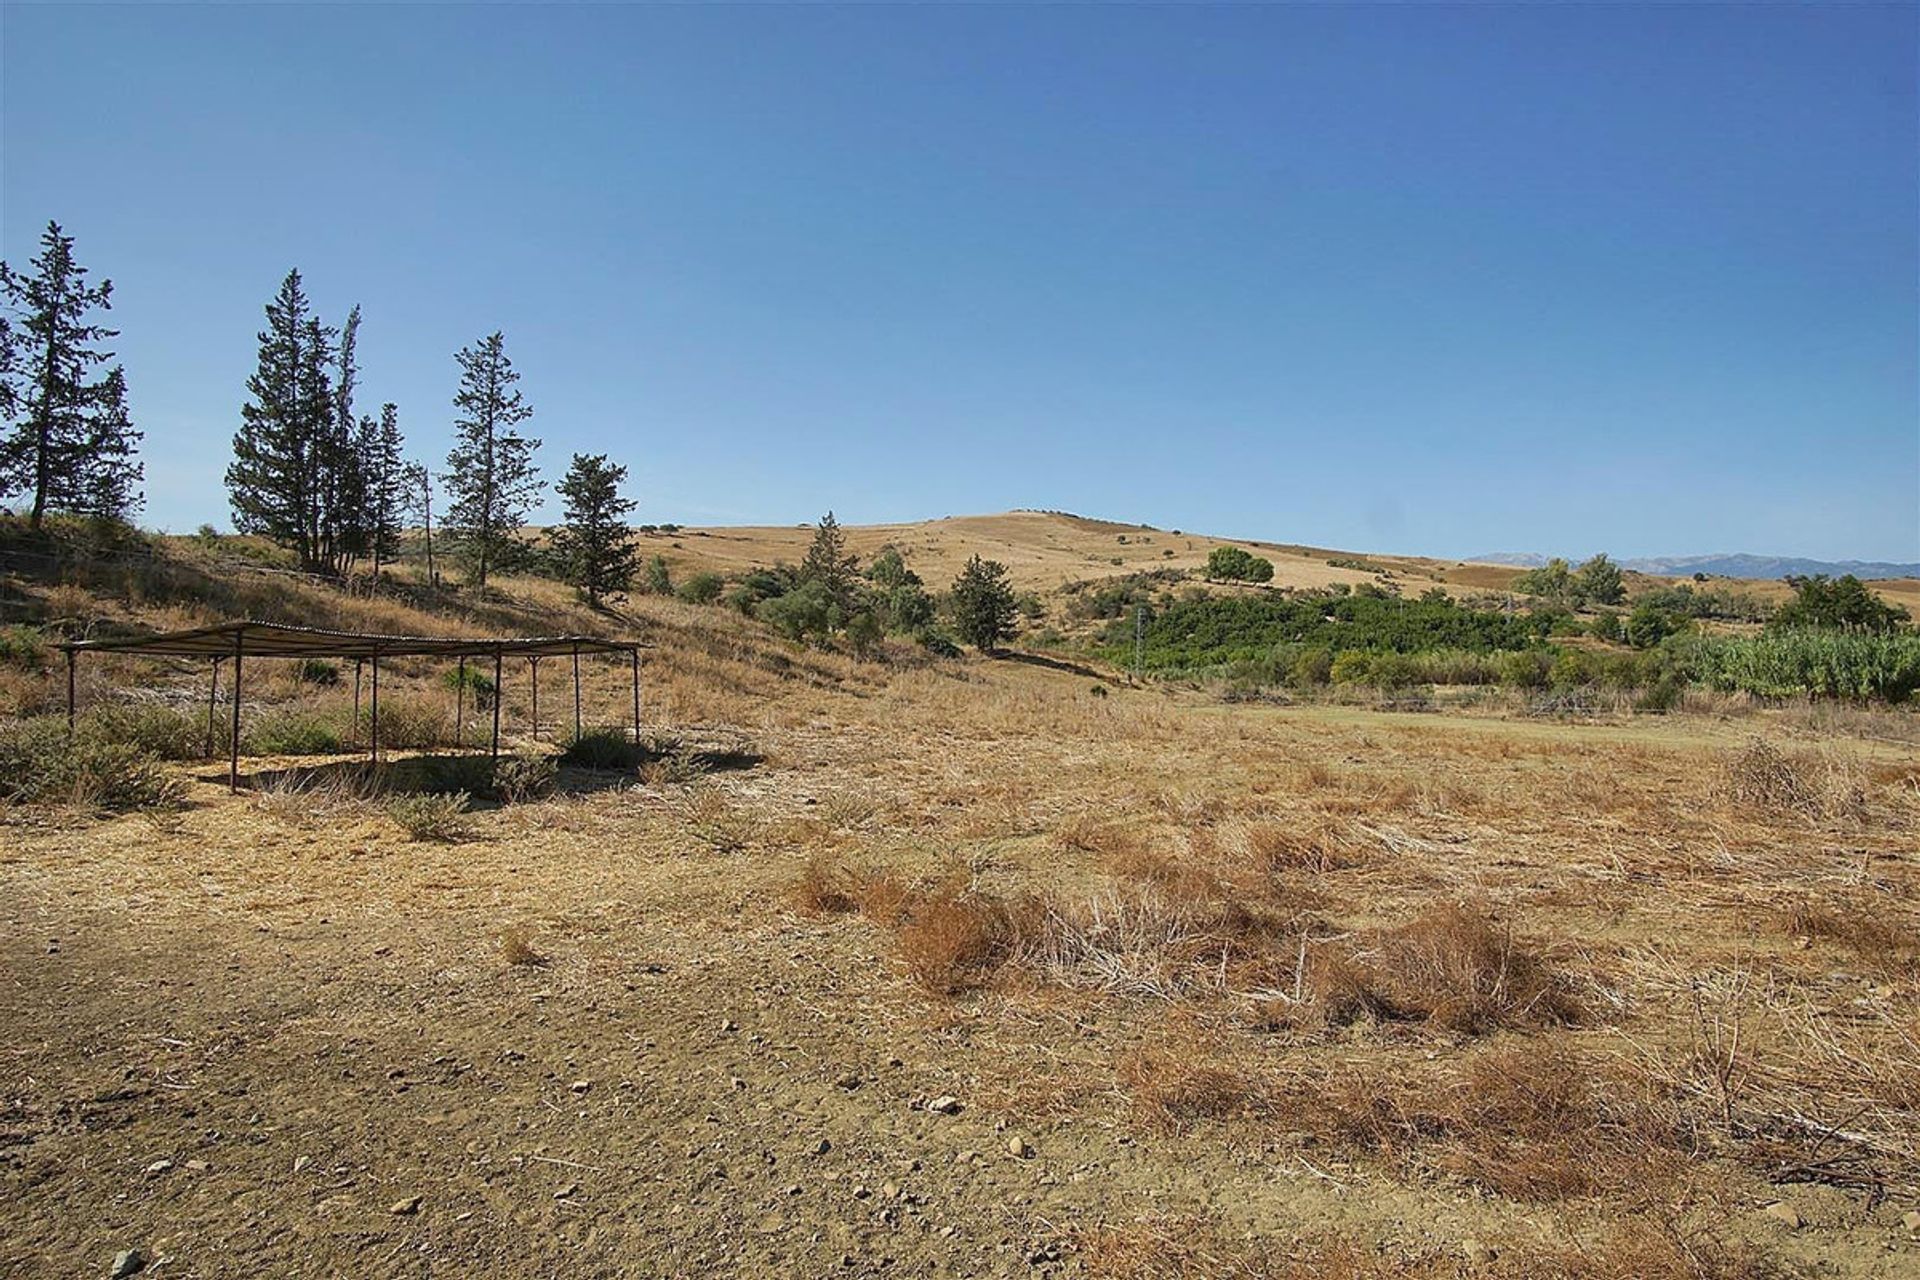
(979, 968)
(1044, 549)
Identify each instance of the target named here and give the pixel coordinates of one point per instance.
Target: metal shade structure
(249, 639)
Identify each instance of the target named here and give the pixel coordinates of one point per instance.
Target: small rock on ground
(127, 1262)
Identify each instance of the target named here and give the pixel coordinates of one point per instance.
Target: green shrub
(319, 671)
(40, 763)
(414, 723)
(864, 633)
(430, 817)
(479, 685)
(1844, 603)
(1311, 669)
(655, 580)
(1573, 669)
(701, 588)
(23, 646)
(520, 779)
(296, 733)
(1524, 670)
(1649, 624)
(937, 642)
(602, 748)
(1351, 667)
(805, 613)
(1606, 627)
(152, 728)
(1393, 671)
(1661, 696)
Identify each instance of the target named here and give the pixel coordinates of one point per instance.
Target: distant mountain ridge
(1730, 565)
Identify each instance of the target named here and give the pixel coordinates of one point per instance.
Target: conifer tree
(983, 604)
(345, 480)
(279, 483)
(596, 545)
(490, 479)
(828, 563)
(69, 441)
(384, 478)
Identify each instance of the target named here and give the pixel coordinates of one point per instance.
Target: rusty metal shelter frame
(237, 641)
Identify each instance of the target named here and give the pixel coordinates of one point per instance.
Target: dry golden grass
(1555, 966)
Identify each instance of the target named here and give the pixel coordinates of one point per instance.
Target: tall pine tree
(490, 480)
(596, 545)
(69, 442)
(278, 483)
(384, 481)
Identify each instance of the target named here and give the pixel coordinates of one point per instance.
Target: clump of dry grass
(1656, 1247)
(825, 888)
(435, 817)
(1170, 1089)
(1862, 926)
(1455, 967)
(1320, 845)
(952, 939)
(713, 818)
(1812, 785)
(517, 948)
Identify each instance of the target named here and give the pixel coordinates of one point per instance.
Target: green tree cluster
(1838, 604)
(1237, 564)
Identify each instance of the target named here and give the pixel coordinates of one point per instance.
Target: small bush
(701, 588)
(951, 942)
(41, 764)
(411, 723)
(825, 888)
(24, 647)
(296, 733)
(524, 778)
(937, 642)
(1526, 669)
(1311, 669)
(152, 727)
(479, 686)
(319, 671)
(430, 817)
(603, 748)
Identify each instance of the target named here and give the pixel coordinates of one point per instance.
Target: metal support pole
(496, 704)
(373, 723)
(533, 666)
(576, 693)
(213, 694)
(460, 706)
(357, 664)
(72, 710)
(233, 747)
(635, 654)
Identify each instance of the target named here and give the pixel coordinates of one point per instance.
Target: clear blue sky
(1446, 280)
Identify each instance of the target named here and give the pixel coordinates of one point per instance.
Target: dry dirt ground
(978, 971)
